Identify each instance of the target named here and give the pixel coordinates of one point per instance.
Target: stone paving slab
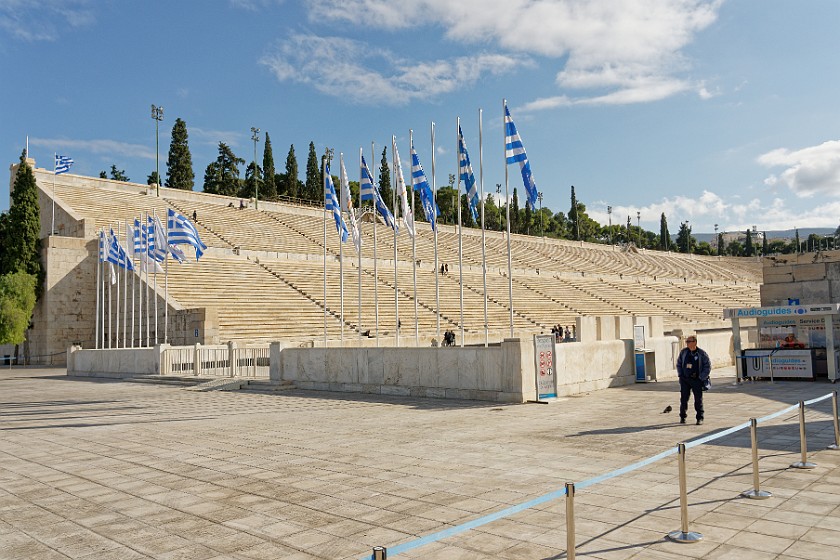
(96, 469)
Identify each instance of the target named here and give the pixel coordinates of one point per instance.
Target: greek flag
(155, 239)
(117, 255)
(102, 253)
(421, 185)
(347, 206)
(383, 210)
(366, 186)
(402, 193)
(332, 205)
(467, 176)
(139, 238)
(62, 164)
(515, 153)
(182, 232)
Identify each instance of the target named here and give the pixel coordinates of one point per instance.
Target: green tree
(491, 214)
(22, 250)
(721, 247)
(798, 243)
(249, 185)
(684, 239)
(573, 216)
(528, 218)
(222, 175)
(664, 235)
(17, 300)
(103, 175)
(4, 238)
(445, 201)
(313, 188)
(515, 218)
(466, 213)
(290, 185)
(748, 244)
(735, 248)
(385, 179)
(764, 243)
(152, 179)
(269, 187)
(587, 229)
(179, 170)
(119, 174)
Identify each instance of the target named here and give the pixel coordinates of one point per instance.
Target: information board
(546, 367)
(786, 363)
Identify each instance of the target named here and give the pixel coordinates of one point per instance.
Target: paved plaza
(104, 469)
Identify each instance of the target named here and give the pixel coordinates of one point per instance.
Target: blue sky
(713, 111)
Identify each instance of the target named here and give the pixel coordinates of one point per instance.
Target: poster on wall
(784, 363)
(546, 367)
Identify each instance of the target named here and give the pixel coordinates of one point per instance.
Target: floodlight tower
(255, 136)
(157, 115)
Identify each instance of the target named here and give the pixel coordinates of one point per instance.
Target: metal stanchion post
(755, 493)
(803, 444)
(836, 444)
(380, 553)
(570, 520)
(683, 535)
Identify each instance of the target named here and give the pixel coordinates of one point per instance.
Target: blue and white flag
(515, 153)
(139, 238)
(116, 253)
(402, 192)
(366, 186)
(383, 210)
(102, 253)
(181, 231)
(465, 169)
(62, 164)
(331, 204)
(347, 206)
(156, 240)
(421, 186)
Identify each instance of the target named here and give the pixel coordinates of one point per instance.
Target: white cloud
(41, 20)
(808, 171)
(213, 137)
(355, 71)
(615, 52)
(105, 147)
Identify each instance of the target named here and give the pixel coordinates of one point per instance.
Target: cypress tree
(22, 251)
(748, 244)
(514, 213)
(764, 247)
(313, 175)
(664, 234)
(290, 185)
(721, 248)
(385, 179)
(179, 171)
(573, 216)
(269, 187)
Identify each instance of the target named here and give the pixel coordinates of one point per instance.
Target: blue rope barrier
(450, 531)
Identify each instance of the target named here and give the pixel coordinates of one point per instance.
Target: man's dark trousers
(687, 387)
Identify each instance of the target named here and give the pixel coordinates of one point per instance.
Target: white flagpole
(125, 300)
(507, 215)
(99, 249)
(460, 229)
(110, 293)
(154, 274)
(396, 213)
(102, 318)
(413, 241)
(375, 261)
(437, 280)
(133, 284)
(361, 212)
(117, 315)
(166, 283)
(483, 240)
(324, 200)
(148, 301)
(341, 249)
(55, 157)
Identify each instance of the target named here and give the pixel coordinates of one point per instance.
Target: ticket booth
(794, 341)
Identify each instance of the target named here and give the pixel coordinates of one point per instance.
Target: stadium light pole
(157, 115)
(609, 217)
(639, 227)
(255, 136)
(498, 200)
(717, 244)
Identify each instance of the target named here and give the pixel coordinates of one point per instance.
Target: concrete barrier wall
(117, 362)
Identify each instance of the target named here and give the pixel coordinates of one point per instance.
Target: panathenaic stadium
(262, 279)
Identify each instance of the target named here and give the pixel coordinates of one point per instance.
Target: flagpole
(98, 281)
(102, 265)
(146, 268)
(437, 280)
(414, 245)
(375, 260)
(55, 159)
(341, 250)
(483, 240)
(133, 282)
(460, 232)
(117, 315)
(125, 299)
(361, 213)
(507, 216)
(154, 275)
(324, 170)
(396, 213)
(166, 281)
(110, 296)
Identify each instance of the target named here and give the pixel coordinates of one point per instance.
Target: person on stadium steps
(693, 368)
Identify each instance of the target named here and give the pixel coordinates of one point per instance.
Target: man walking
(693, 368)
